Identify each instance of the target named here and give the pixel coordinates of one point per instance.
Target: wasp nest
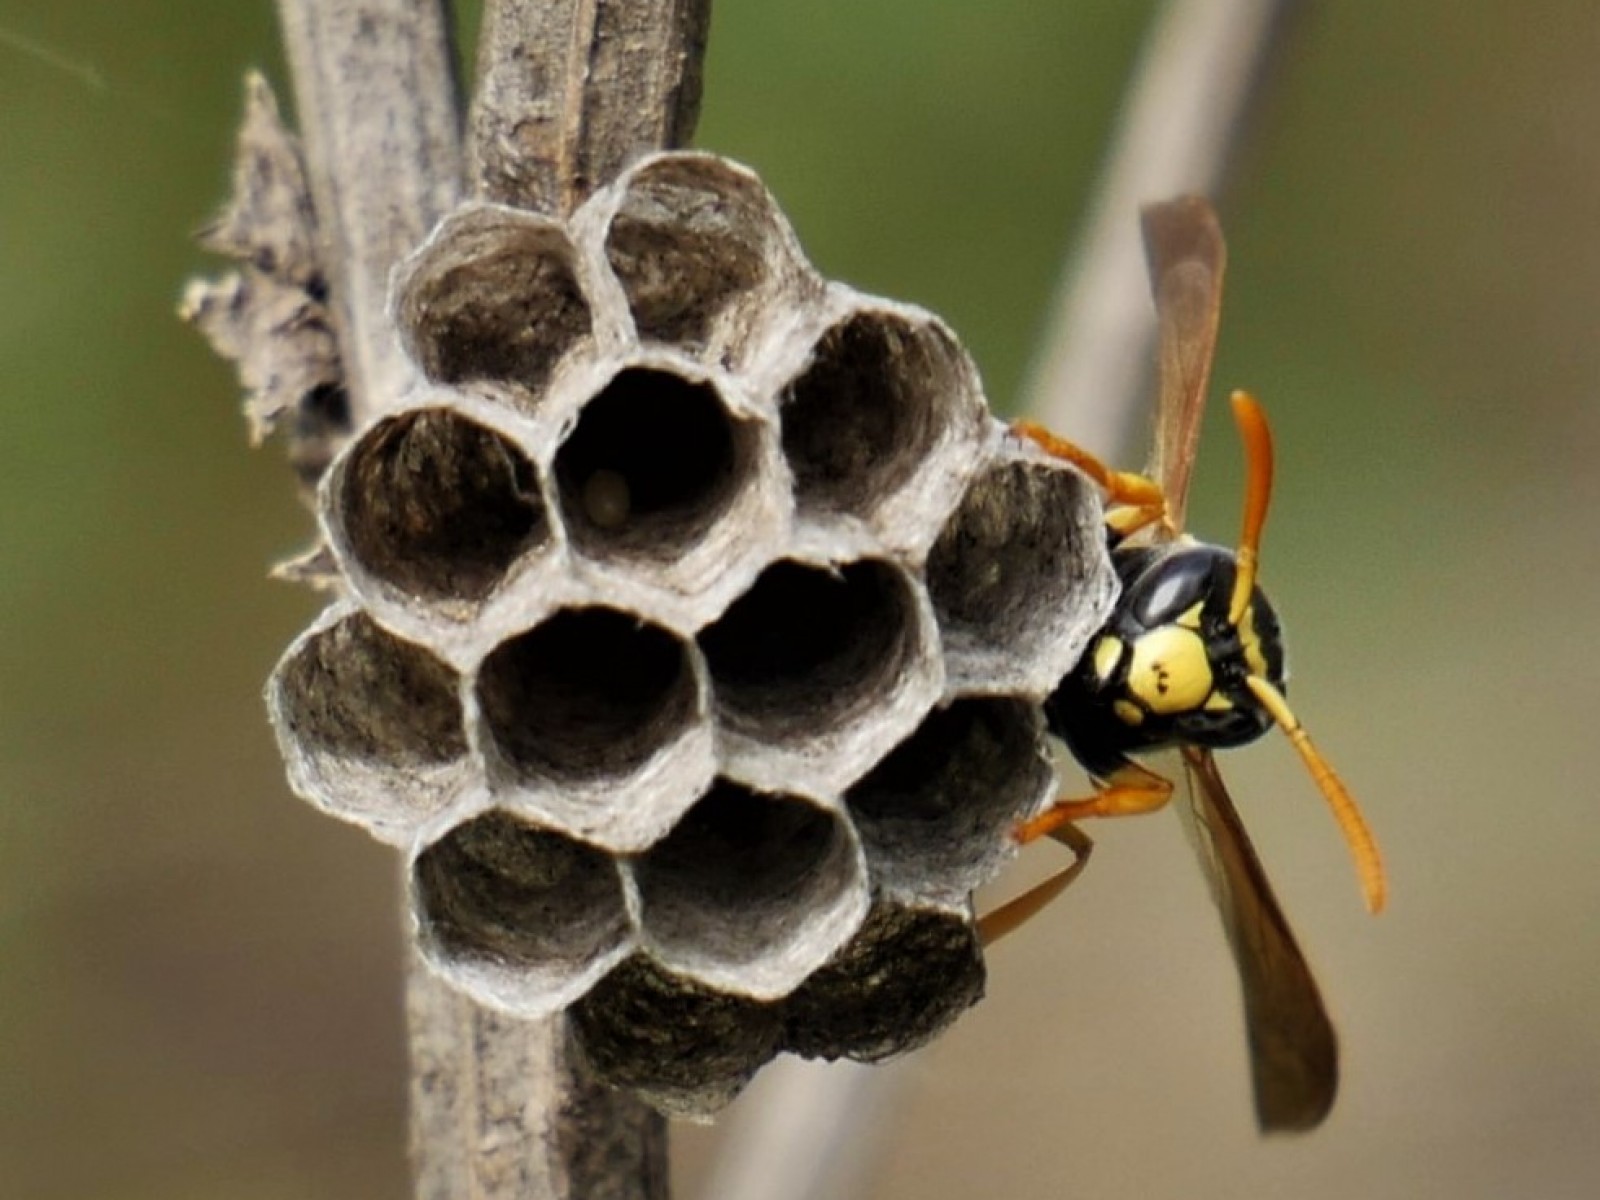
(697, 615)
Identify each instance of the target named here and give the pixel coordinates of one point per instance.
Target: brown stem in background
(1192, 95)
(807, 1131)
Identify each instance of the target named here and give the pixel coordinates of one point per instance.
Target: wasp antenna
(1252, 421)
(1363, 846)
(1143, 496)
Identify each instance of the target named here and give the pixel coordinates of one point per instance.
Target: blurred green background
(199, 976)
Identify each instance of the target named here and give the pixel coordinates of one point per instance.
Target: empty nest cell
(520, 913)
(438, 506)
(591, 693)
(690, 244)
(654, 461)
(808, 648)
(493, 295)
(862, 417)
(1007, 573)
(751, 891)
(371, 724)
(935, 814)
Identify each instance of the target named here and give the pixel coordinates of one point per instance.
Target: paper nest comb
(696, 617)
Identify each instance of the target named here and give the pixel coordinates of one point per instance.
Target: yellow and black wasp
(1192, 659)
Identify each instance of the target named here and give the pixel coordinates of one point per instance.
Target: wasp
(1192, 659)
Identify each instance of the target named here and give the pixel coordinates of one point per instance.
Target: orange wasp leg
(1014, 914)
(1131, 789)
(1139, 501)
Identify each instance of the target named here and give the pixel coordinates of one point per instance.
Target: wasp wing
(1183, 244)
(1294, 1053)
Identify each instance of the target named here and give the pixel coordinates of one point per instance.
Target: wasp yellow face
(1169, 672)
(1170, 667)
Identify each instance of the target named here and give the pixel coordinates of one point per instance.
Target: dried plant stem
(501, 1111)
(572, 90)
(568, 92)
(375, 93)
(1191, 96)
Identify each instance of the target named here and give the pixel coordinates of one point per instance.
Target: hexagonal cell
(888, 404)
(653, 463)
(685, 1048)
(902, 980)
(700, 250)
(806, 654)
(1020, 578)
(437, 507)
(751, 892)
(935, 814)
(519, 917)
(602, 716)
(494, 294)
(370, 725)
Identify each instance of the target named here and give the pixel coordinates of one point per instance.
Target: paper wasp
(1192, 659)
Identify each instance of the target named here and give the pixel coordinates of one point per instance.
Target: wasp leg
(1015, 913)
(1128, 790)
(1140, 501)
(1128, 519)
